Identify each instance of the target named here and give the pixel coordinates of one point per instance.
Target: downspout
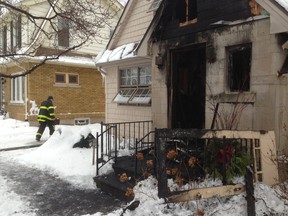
(26, 97)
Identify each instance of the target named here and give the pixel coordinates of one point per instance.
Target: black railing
(147, 144)
(116, 136)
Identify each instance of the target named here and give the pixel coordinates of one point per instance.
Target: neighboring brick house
(73, 79)
(193, 58)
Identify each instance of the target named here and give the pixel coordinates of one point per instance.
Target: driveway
(53, 197)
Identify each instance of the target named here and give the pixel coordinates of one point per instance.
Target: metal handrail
(113, 133)
(151, 144)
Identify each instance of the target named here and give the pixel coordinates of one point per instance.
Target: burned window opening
(187, 12)
(239, 65)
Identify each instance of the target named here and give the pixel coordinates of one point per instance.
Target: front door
(187, 88)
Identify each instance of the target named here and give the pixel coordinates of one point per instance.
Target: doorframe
(170, 73)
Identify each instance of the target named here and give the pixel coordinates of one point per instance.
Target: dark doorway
(187, 88)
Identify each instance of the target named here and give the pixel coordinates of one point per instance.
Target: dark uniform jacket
(46, 112)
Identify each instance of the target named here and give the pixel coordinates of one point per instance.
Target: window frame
(4, 39)
(131, 93)
(17, 90)
(242, 72)
(191, 12)
(66, 81)
(63, 34)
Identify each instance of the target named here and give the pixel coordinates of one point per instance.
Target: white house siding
(38, 10)
(267, 59)
(136, 24)
(95, 45)
(159, 96)
(121, 113)
(99, 43)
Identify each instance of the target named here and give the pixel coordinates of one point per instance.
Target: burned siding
(209, 13)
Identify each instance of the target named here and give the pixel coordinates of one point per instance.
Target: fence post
(161, 164)
(97, 152)
(136, 160)
(224, 168)
(250, 192)
(115, 144)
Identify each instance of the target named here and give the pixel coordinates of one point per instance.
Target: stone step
(111, 184)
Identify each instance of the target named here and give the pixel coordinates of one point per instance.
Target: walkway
(53, 197)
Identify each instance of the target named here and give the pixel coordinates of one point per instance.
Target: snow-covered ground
(74, 165)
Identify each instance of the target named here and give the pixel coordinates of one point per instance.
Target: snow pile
(74, 165)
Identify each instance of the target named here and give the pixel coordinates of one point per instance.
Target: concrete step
(112, 185)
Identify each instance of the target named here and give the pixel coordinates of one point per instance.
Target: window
(17, 89)
(63, 32)
(4, 40)
(11, 36)
(60, 78)
(187, 12)
(67, 78)
(135, 86)
(239, 64)
(73, 79)
(16, 34)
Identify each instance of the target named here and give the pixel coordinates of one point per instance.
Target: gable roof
(116, 51)
(34, 50)
(278, 10)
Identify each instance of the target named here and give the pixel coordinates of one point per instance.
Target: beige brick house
(72, 79)
(177, 66)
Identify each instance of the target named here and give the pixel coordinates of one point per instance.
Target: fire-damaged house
(202, 65)
(177, 63)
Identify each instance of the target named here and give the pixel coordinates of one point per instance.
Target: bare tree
(79, 21)
(228, 109)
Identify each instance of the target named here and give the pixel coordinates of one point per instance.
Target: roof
(129, 50)
(278, 10)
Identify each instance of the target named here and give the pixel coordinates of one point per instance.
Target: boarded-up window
(239, 65)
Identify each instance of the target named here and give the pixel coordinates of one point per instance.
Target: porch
(136, 151)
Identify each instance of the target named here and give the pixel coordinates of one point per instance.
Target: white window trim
(17, 89)
(134, 94)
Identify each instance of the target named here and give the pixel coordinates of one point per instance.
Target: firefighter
(46, 117)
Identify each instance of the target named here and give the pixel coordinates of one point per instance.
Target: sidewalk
(51, 196)
(30, 145)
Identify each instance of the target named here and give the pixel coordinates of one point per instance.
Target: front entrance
(187, 88)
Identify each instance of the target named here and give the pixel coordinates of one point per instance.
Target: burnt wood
(208, 13)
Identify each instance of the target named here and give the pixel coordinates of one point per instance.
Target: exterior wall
(269, 109)
(15, 110)
(98, 42)
(122, 113)
(136, 23)
(84, 101)
(159, 96)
